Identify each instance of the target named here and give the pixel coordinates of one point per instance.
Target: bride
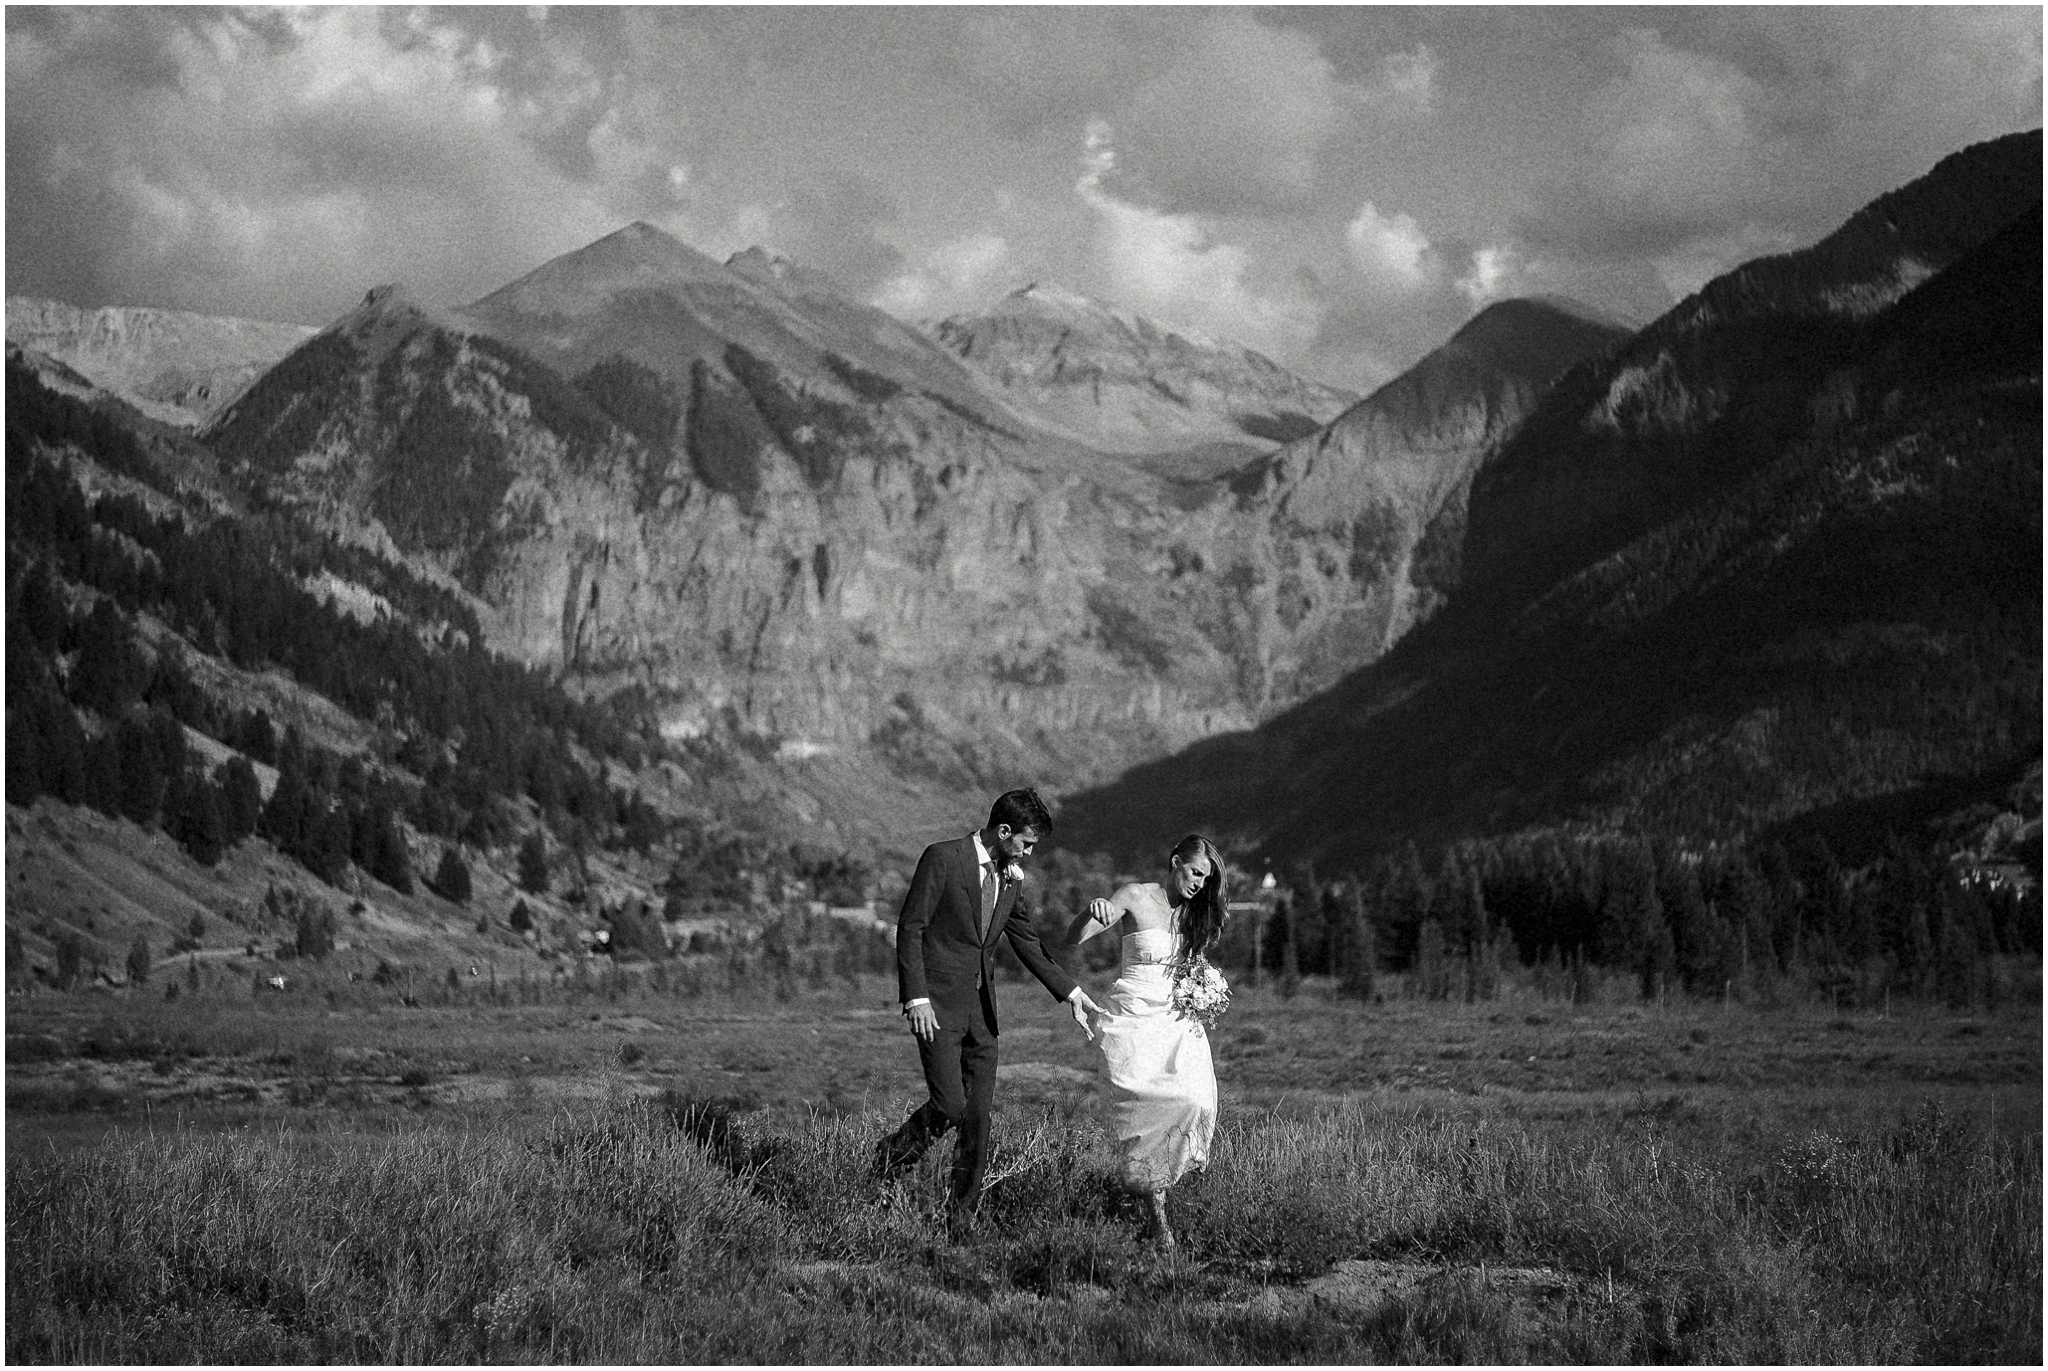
(1162, 1085)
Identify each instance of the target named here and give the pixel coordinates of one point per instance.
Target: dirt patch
(1530, 1299)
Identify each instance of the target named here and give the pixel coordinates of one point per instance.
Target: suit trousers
(960, 1074)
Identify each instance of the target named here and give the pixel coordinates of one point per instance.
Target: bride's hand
(1083, 1008)
(1103, 912)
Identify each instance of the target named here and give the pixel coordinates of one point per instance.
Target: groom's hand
(1082, 1007)
(924, 1021)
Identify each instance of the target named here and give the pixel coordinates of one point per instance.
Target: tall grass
(679, 1231)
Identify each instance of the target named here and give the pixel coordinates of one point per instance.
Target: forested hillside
(141, 616)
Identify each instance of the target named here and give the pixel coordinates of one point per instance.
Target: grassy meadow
(613, 1172)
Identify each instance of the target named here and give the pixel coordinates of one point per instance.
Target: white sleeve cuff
(909, 1005)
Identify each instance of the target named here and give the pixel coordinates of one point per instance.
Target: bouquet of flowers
(1199, 991)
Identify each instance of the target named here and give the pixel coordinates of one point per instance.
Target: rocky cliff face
(789, 518)
(1365, 520)
(1120, 382)
(177, 368)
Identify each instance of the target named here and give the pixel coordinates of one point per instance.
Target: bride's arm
(1100, 915)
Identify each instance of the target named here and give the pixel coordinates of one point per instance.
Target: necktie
(988, 897)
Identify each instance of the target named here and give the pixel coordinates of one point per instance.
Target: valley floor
(639, 1175)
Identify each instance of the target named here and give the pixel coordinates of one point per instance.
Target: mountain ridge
(177, 367)
(1116, 380)
(1827, 617)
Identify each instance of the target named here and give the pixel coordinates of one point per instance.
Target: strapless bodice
(1147, 947)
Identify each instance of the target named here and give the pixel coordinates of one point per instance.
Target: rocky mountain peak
(1117, 380)
(1048, 300)
(636, 257)
(786, 277)
(1523, 336)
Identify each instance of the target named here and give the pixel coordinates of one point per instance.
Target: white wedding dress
(1162, 1084)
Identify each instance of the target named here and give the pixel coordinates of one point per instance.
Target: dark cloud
(1338, 187)
(1744, 132)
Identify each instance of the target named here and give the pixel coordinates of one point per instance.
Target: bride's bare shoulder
(1137, 896)
(1147, 902)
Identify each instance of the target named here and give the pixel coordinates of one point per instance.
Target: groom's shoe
(892, 1161)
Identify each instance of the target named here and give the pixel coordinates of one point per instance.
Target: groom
(964, 896)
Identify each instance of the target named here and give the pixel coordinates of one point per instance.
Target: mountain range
(785, 517)
(1751, 561)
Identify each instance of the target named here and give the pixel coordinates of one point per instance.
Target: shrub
(313, 935)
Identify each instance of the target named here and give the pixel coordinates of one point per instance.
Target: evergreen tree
(1460, 903)
(241, 799)
(110, 673)
(521, 919)
(533, 864)
(1698, 933)
(1290, 959)
(1633, 933)
(24, 755)
(167, 735)
(451, 878)
(389, 860)
(1411, 899)
(1307, 930)
(1432, 965)
(1359, 971)
(43, 613)
(292, 753)
(60, 748)
(103, 774)
(284, 819)
(138, 961)
(324, 851)
(200, 828)
(45, 746)
(1491, 963)
(1787, 897)
(258, 737)
(142, 775)
(1738, 893)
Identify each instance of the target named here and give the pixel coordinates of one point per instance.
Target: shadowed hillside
(1778, 553)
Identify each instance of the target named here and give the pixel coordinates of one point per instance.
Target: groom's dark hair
(1020, 809)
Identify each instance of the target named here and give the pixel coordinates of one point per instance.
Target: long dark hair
(1201, 919)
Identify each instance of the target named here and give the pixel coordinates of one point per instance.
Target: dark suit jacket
(941, 954)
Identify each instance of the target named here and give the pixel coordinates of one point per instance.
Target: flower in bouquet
(1199, 991)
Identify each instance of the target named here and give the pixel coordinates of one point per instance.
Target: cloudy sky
(1339, 188)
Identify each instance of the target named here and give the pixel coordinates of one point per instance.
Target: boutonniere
(1012, 874)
